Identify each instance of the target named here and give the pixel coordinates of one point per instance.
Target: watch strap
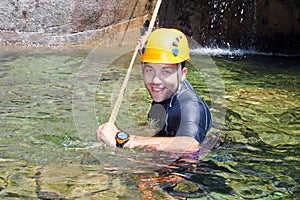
(121, 145)
(121, 142)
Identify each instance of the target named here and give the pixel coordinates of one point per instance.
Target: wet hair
(183, 64)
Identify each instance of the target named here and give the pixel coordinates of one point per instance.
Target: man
(182, 117)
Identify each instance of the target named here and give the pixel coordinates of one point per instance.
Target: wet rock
(46, 22)
(255, 25)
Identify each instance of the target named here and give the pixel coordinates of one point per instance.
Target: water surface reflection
(43, 156)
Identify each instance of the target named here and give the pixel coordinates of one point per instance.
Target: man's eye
(148, 70)
(166, 72)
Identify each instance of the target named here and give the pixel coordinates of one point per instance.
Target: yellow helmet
(166, 46)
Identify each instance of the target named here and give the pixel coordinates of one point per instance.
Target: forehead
(160, 65)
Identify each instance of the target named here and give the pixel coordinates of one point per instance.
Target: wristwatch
(121, 139)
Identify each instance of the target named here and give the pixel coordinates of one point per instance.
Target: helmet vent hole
(143, 49)
(175, 51)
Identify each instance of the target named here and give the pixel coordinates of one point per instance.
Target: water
(52, 100)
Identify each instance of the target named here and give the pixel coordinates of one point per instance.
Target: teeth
(157, 89)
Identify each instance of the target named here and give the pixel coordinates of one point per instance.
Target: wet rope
(117, 105)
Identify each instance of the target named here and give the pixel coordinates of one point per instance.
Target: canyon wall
(54, 22)
(261, 25)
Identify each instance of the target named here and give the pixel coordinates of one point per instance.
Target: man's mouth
(157, 90)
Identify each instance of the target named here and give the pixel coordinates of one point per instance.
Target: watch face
(122, 135)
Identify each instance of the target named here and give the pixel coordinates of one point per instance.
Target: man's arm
(181, 144)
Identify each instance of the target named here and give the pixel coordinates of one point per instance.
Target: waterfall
(249, 25)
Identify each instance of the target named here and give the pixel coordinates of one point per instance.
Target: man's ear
(184, 72)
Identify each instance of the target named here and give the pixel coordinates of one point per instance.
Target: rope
(117, 105)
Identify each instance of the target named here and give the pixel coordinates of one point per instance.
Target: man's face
(161, 80)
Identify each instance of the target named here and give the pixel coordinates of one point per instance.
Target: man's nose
(156, 78)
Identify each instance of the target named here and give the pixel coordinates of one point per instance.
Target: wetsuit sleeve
(195, 117)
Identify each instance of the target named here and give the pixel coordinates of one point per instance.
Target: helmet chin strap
(142, 66)
(179, 73)
(179, 83)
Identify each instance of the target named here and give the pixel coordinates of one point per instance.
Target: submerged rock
(17, 179)
(24, 180)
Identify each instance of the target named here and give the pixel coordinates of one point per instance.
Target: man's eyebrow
(164, 67)
(168, 67)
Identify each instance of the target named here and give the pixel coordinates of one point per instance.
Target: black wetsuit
(185, 114)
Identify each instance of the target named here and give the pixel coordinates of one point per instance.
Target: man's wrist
(130, 143)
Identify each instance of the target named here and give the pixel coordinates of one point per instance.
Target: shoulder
(187, 93)
(190, 101)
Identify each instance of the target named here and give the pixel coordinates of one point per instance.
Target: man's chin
(159, 99)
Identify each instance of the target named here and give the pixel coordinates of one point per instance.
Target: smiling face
(161, 80)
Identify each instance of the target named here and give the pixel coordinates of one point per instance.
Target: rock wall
(48, 22)
(263, 25)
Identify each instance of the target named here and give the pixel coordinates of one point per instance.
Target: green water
(53, 99)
